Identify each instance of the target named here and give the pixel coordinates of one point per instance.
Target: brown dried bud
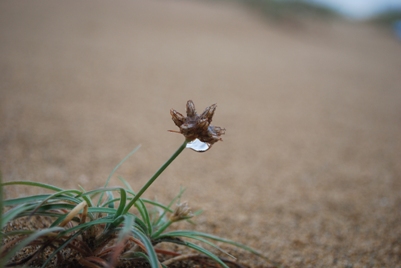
(198, 127)
(181, 212)
(178, 118)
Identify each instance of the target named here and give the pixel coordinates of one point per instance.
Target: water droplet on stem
(198, 146)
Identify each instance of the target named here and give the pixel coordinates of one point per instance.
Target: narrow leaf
(25, 242)
(115, 169)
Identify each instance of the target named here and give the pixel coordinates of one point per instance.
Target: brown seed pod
(198, 127)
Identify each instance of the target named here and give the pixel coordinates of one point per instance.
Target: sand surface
(309, 171)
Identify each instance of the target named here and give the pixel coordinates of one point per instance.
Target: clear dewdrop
(198, 146)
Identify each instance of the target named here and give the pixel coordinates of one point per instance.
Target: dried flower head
(196, 126)
(181, 212)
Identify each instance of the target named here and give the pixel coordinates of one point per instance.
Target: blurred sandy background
(310, 168)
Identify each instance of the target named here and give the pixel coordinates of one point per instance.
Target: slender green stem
(162, 229)
(154, 177)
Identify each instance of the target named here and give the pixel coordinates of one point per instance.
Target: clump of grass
(99, 228)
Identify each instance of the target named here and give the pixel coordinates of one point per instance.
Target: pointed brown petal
(208, 113)
(178, 118)
(216, 132)
(191, 109)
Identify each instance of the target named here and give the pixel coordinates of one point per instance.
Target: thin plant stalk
(154, 177)
(162, 228)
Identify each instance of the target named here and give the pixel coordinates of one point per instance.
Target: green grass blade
(14, 213)
(125, 183)
(39, 198)
(87, 198)
(57, 206)
(154, 262)
(105, 220)
(145, 216)
(126, 230)
(157, 204)
(140, 225)
(25, 242)
(147, 201)
(19, 232)
(48, 210)
(100, 190)
(180, 193)
(107, 204)
(194, 234)
(110, 197)
(115, 169)
(123, 201)
(25, 200)
(199, 249)
(62, 246)
(34, 184)
(156, 175)
(43, 214)
(107, 211)
(154, 203)
(58, 196)
(135, 255)
(197, 238)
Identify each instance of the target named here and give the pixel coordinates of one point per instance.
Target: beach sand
(309, 172)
